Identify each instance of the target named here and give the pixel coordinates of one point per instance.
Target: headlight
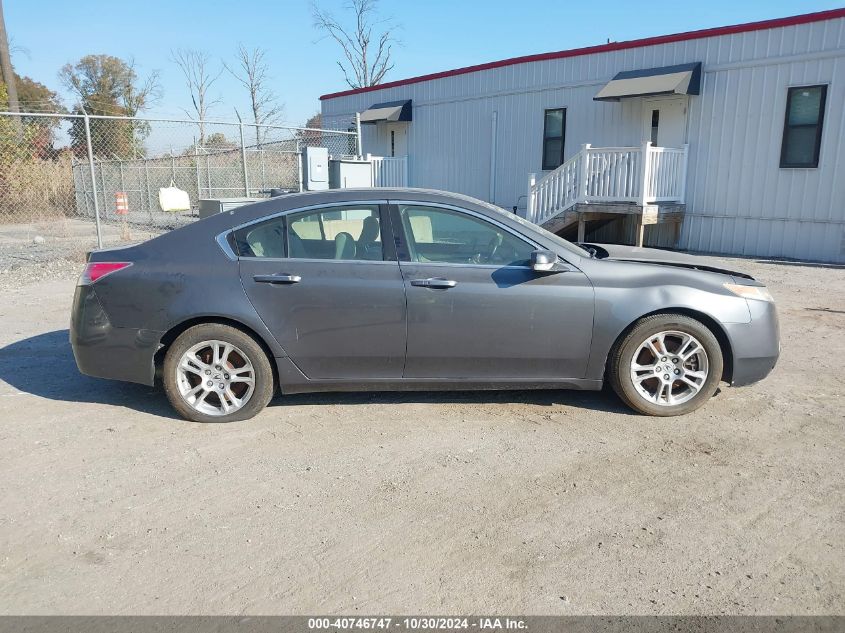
(760, 293)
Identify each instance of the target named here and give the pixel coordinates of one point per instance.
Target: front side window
(554, 133)
(347, 233)
(449, 237)
(802, 127)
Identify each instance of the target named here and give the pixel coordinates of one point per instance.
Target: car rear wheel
(217, 373)
(668, 364)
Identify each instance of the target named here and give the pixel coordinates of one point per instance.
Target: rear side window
(265, 239)
(342, 233)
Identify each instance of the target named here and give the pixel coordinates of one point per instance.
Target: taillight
(97, 270)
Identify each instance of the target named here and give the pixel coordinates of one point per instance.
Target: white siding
(739, 200)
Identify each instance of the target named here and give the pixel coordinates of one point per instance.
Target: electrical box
(345, 173)
(315, 168)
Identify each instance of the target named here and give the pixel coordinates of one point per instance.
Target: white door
(665, 121)
(396, 140)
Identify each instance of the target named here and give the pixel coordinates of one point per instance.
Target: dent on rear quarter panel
(179, 276)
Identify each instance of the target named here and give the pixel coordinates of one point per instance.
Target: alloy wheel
(669, 368)
(215, 378)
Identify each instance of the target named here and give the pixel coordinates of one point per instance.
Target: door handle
(281, 278)
(434, 282)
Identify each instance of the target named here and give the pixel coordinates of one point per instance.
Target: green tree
(108, 85)
(218, 140)
(33, 96)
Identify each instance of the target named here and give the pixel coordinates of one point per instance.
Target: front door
(396, 139)
(328, 291)
(476, 310)
(665, 121)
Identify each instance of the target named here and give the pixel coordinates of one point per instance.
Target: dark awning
(683, 79)
(391, 111)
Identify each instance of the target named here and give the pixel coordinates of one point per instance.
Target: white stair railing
(641, 175)
(557, 191)
(667, 174)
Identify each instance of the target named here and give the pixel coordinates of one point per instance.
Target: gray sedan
(391, 289)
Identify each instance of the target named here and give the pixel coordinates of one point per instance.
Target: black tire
(621, 357)
(263, 373)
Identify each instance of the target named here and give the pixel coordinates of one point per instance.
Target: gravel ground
(53, 250)
(511, 502)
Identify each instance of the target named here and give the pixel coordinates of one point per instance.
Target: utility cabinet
(345, 173)
(213, 206)
(315, 168)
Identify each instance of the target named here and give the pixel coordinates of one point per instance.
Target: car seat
(296, 247)
(367, 247)
(266, 241)
(344, 246)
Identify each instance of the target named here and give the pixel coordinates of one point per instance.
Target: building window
(554, 133)
(655, 124)
(802, 126)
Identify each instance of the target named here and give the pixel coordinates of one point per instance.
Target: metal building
(725, 140)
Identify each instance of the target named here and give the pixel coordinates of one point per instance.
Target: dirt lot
(540, 503)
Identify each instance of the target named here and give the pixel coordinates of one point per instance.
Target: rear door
(476, 310)
(328, 289)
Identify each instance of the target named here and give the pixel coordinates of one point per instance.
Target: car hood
(623, 253)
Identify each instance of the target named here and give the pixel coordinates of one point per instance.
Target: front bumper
(755, 345)
(104, 351)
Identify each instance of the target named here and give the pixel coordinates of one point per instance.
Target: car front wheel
(668, 364)
(217, 373)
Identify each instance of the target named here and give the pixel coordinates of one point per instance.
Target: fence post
(208, 175)
(149, 192)
(584, 173)
(93, 180)
(530, 200)
(299, 174)
(358, 145)
(684, 163)
(197, 171)
(645, 172)
(243, 159)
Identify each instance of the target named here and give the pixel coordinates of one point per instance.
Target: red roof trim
(604, 48)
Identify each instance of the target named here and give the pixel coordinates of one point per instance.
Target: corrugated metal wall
(739, 200)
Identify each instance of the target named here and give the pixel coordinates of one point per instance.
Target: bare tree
(368, 54)
(252, 71)
(8, 75)
(199, 77)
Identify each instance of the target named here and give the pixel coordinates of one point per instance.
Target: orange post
(121, 207)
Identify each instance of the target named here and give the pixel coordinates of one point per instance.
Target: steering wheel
(493, 247)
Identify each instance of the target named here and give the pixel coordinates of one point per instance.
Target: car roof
(292, 201)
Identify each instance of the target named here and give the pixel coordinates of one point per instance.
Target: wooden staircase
(602, 184)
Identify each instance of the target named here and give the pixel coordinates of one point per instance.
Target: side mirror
(543, 261)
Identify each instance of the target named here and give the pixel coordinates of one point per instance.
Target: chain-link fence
(61, 175)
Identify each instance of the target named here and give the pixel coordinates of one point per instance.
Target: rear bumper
(755, 345)
(104, 351)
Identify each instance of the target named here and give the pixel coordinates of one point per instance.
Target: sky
(435, 35)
